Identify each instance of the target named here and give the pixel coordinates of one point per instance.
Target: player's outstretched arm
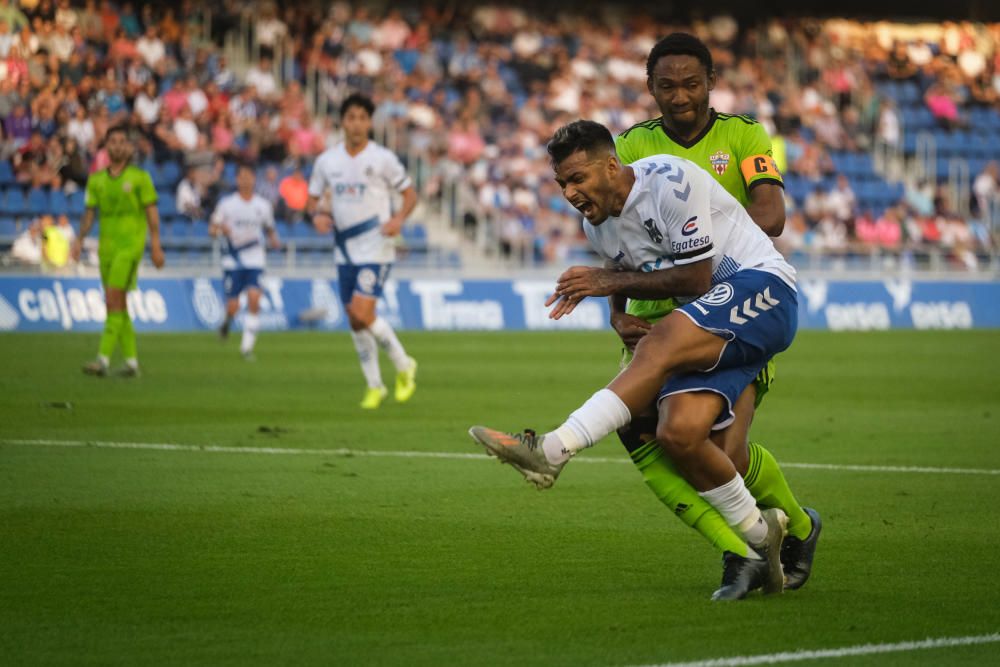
(579, 282)
(272, 239)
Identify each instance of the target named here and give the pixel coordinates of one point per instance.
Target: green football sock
(674, 491)
(127, 337)
(112, 331)
(767, 485)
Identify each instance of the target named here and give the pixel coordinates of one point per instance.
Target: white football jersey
(677, 214)
(361, 188)
(247, 220)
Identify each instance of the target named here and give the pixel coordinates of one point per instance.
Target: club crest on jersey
(654, 234)
(126, 187)
(720, 162)
(690, 227)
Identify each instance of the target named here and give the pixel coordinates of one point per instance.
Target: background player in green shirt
(124, 198)
(736, 150)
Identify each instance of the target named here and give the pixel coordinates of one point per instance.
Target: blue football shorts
(756, 313)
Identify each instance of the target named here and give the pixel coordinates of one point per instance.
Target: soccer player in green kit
(124, 199)
(737, 152)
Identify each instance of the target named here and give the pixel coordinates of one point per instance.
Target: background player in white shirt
(242, 219)
(362, 177)
(674, 230)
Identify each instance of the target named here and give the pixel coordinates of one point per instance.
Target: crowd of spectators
(469, 96)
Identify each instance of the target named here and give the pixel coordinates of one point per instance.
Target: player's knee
(680, 435)
(359, 319)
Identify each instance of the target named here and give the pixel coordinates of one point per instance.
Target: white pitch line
(172, 447)
(845, 652)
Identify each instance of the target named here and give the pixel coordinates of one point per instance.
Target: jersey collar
(712, 116)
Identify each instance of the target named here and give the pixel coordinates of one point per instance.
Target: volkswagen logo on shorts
(718, 295)
(367, 279)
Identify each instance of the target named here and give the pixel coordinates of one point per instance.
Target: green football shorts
(120, 270)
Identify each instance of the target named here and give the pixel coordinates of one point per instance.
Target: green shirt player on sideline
(736, 151)
(124, 199)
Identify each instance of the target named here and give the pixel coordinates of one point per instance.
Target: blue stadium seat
(229, 174)
(167, 205)
(13, 201)
(77, 202)
(58, 203)
(170, 173)
(8, 228)
(6, 173)
(199, 229)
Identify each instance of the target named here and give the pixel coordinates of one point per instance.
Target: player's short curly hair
(357, 100)
(679, 44)
(580, 135)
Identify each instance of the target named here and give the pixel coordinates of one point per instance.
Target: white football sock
(367, 348)
(251, 325)
(602, 414)
(132, 363)
(103, 361)
(739, 509)
(388, 341)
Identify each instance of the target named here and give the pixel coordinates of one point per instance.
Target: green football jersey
(734, 149)
(121, 203)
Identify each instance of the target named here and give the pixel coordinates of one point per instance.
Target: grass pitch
(143, 556)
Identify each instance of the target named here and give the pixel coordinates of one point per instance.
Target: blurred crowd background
(888, 134)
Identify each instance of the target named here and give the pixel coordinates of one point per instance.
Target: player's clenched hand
(323, 223)
(156, 253)
(630, 328)
(392, 227)
(75, 250)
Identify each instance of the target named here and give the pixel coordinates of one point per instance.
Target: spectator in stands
(66, 16)
(189, 195)
(268, 187)
(13, 16)
(986, 192)
(147, 105)
(74, 170)
(55, 244)
(186, 130)
(888, 131)
(294, 191)
(6, 39)
(888, 229)
(919, 197)
(27, 248)
(942, 103)
(269, 30)
(151, 47)
(261, 77)
(898, 65)
(841, 202)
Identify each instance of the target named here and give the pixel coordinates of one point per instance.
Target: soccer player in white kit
(242, 219)
(671, 229)
(361, 176)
